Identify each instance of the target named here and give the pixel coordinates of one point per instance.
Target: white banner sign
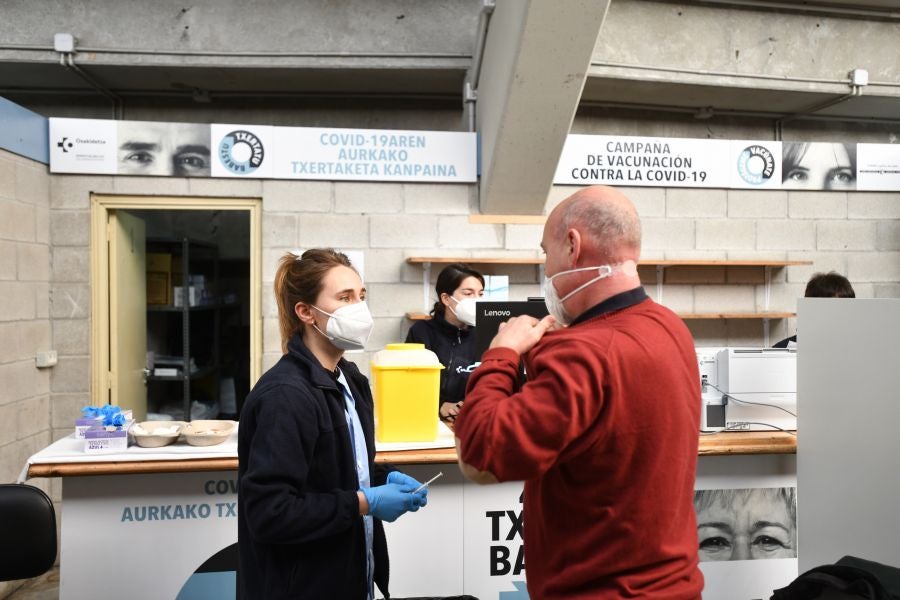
(94, 146)
(742, 164)
(669, 162)
(374, 155)
(167, 535)
(260, 152)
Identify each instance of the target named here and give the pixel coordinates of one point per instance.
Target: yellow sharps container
(407, 388)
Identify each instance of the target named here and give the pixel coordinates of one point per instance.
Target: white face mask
(555, 303)
(349, 327)
(465, 310)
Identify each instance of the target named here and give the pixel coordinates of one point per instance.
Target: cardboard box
(159, 262)
(158, 288)
(195, 295)
(159, 278)
(83, 424)
(99, 440)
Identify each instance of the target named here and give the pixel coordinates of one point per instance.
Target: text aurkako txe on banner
(94, 146)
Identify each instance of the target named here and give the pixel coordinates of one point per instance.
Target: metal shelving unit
(188, 251)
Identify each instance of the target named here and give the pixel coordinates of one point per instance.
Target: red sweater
(605, 435)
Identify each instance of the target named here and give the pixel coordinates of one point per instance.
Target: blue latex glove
(405, 480)
(389, 501)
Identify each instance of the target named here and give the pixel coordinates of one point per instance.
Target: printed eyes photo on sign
(746, 524)
(174, 149)
(818, 166)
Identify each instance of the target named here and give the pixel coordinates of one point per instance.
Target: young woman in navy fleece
(311, 499)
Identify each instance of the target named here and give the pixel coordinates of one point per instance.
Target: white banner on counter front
(260, 151)
(160, 533)
(374, 155)
(669, 162)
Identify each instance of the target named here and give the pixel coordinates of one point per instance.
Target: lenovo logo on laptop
(489, 315)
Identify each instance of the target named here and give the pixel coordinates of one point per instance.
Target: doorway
(176, 328)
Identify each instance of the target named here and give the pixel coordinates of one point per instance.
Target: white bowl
(148, 435)
(207, 432)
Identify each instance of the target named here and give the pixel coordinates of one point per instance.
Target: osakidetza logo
(82, 149)
(241, 151)
(756, 164)
(68, 144)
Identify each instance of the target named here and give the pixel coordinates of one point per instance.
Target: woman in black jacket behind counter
(450, 332)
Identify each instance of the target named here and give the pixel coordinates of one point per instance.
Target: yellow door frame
(101, 379)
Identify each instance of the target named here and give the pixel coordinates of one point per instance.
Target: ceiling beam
(536, 60)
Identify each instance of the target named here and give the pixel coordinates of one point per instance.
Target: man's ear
(573, 245)
(304, 313)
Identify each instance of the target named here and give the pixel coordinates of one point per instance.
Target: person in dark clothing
(450, 332)
(822, 285)
(311, 499)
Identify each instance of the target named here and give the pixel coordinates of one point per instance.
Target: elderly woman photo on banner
(746, 524)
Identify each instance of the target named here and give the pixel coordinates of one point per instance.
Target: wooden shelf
(736, 315)
(179, 309)
(723, 263)
(472, 260)
(198, 374)
(747, 442)
(413, 260)
(417, 457)
(78, 469)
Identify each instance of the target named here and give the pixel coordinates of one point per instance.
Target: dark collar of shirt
(613, 303)
(449, 328)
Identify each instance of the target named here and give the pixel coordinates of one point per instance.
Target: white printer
(712, 410)
(748, 389)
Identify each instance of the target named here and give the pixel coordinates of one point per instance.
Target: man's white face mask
(555, 303)
(349, 327)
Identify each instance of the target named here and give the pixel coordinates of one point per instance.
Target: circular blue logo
(756, 165)
(241, 152)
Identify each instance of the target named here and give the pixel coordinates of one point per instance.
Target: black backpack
(850, 578)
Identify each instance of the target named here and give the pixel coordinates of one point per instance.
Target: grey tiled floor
(45, 587)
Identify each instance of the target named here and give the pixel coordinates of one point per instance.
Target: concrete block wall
(853, 233)
(24, 316)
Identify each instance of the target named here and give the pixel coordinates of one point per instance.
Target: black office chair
(27, 532)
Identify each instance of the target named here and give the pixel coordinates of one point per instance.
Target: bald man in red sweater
(605, 431)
